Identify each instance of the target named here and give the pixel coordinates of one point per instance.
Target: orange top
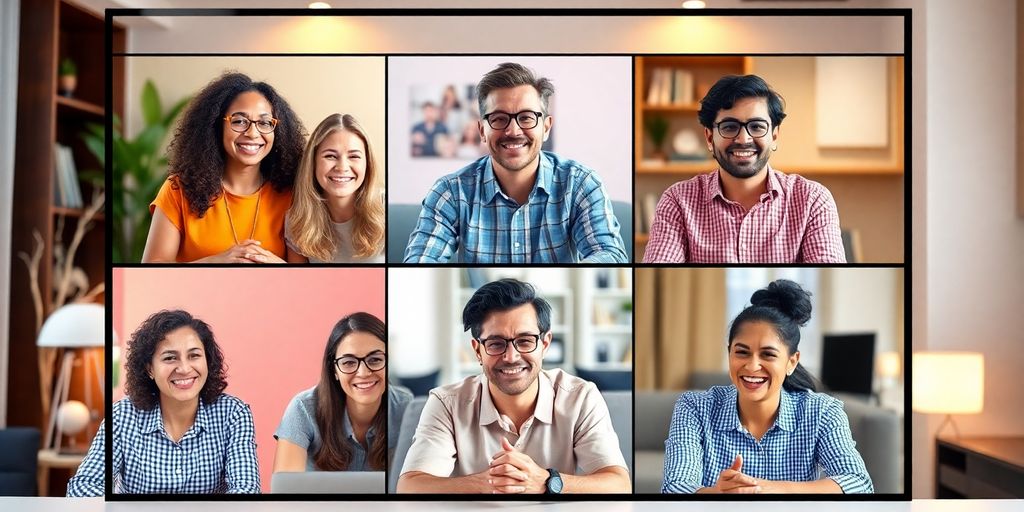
(211, 234)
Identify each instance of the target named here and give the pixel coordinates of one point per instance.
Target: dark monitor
(848, 363)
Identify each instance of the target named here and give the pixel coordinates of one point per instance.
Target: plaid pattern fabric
(810, 437)
(567, 218)
(796, 221)
(217, 455)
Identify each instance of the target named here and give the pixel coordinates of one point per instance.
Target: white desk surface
(98, 505)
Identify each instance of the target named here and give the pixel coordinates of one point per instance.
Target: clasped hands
(733, 481)
(514, 472)
(246, 251)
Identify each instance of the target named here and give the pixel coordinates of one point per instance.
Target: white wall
(971, 259)
(592, 110)
(418, 314)
(8, 107)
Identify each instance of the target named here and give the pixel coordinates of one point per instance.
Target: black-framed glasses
(241, 124)
(756, 128)
(350, 364)
(526, 119)
(523, 343)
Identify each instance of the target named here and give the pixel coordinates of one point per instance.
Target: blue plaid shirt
(216, 455)
(566, 218)
(811, 433)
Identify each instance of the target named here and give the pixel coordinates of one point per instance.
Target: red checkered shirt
(795, 221)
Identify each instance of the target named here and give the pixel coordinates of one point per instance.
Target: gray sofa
(620, 406)
(402, 220)
(878, 433)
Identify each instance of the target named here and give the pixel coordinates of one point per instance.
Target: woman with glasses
(342, 423)
(176, 431)
(770, 431)
(231, 164)
(337, 212)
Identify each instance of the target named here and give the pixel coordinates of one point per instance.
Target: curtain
(680, 325)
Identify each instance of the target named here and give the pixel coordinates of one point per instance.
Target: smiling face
(511, 372)
(364, 387)
(178, 366)
(513, 148)
(744, 156)
(759, 362)
(250, 147)
(340, 164)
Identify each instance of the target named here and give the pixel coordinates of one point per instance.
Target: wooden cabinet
(980, 467)
(51, 30)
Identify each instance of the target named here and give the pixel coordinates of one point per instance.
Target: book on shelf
(67, 193)
(650, 206)
(670, 87)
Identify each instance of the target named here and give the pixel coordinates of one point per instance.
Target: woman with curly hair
(337, 212)
(176, 431)
(342, 423)
(232, 166)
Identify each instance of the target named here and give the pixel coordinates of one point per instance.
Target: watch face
(554, 483)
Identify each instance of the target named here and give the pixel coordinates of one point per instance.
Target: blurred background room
(853, 344)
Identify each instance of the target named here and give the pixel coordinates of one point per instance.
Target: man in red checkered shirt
(746, 211)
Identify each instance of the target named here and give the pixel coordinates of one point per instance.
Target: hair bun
(787, 297)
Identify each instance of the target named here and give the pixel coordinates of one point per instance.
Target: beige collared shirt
(460, 429)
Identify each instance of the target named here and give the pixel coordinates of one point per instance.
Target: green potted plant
(657, 130)
(139, 168)
(67, 77)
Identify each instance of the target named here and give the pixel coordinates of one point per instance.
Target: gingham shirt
(811, 436)
(216, 455)
(567, 218)
(795, 221)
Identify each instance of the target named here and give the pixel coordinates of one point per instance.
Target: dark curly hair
(731, 88)
(141, 390)
(195, 157)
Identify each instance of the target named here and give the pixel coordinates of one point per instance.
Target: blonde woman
(337, 212)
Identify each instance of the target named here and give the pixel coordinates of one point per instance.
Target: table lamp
(949, 383)
(72, 327)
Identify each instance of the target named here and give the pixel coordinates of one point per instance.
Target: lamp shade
(889, 364)
(74, 325)
(949, 382)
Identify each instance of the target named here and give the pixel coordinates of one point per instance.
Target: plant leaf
(150, 103)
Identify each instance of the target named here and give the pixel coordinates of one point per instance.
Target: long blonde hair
(309, 220)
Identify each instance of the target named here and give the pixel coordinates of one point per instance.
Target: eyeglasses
(241, 124)
(756, 128)
(524, 344)
(526, 119)
(350, 364)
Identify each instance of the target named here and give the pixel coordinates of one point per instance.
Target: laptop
(328, 482)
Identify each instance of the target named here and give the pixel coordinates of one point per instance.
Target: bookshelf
(51, 30)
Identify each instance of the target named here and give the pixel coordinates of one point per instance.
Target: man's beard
(743, 171)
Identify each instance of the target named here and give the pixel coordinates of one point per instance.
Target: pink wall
(271, 323)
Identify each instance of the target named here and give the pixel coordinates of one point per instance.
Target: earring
(775, 148)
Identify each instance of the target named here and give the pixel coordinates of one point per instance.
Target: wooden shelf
(80, 107)
(642, 238)
(75, 212)
(690, 107)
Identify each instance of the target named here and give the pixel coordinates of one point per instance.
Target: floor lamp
(72, 327)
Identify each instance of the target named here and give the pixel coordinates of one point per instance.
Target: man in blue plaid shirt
(519, 204)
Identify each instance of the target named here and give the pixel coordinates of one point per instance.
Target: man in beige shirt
(516, 428)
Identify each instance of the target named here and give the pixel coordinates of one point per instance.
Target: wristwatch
(553, 485)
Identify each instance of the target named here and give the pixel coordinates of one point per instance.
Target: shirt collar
(714, 189)
(490, 188)
(542, 411)
(727, 415)
(152, 420)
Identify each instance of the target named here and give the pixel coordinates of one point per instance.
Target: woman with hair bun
(770, 432)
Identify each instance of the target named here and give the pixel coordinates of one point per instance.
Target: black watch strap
(553, 485)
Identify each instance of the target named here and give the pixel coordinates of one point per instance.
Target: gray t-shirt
(344, 253)
(298, 426)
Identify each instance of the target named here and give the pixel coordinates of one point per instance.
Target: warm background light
(319, 5)
(694, 4)
(949, 382)
(889, 364)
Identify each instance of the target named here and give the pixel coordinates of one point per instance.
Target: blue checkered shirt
(216, 455)
(811, 436)
(567, 218)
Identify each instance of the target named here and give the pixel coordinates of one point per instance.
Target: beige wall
(314, 86)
